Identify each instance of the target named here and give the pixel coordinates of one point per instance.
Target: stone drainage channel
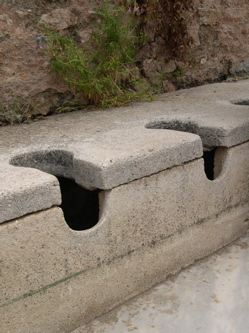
(97, 207)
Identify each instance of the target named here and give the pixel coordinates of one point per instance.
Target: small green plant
(15, 112)
(104, 72)
(235, 77)
(178, 72)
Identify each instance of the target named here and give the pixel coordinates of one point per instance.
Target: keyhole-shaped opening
(213, 157)
(209, 163)
(80, 206)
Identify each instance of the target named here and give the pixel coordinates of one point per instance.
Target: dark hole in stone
(209, 155)
(80, 206)
(241, 102)
(176, 125)
(209, 162)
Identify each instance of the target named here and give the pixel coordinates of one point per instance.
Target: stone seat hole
(241, 102)
(212, 156)
(80, 206)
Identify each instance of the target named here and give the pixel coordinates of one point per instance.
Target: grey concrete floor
(211, 296)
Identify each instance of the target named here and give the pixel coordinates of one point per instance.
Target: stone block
(167, 184)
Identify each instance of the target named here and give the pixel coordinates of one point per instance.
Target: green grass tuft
(104, 73)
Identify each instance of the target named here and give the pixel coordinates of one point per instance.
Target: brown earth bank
(188, 43)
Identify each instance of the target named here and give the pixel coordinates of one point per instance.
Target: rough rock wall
(220, 33)
(197, 42)
(25, 71)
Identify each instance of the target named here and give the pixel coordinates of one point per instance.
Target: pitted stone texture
(149, 228)
(160, 205)
(121, 156)
(100, 142)
(105, 162)
(211, 294)
(209, 111)
(132, 216)
(24, 191)
(53, 279)
(211, 106)
(116, 157)
(213, 135)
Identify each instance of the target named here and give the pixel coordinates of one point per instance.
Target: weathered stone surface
(180, 196)
(148, 228)
(107, 148)
(146, 210)
(62, 18)
(169, 67)
(24, 189)
(207, 295)
(243, 67)
(150, 67)
(78, 292)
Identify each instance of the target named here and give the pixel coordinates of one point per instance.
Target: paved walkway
(211, 296)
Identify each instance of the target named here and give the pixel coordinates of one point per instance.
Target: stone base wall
(83, 293)
(54, 278)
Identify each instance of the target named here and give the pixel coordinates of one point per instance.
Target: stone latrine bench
(97, 207)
